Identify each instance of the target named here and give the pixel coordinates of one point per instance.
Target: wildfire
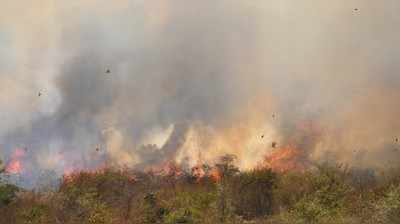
(15, 165)
(72, 175)
(75, 175)
(215, 175)
(285, 159)
(201, 172)
(246, 143)
(168, 169)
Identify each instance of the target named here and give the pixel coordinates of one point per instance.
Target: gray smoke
(177, 63)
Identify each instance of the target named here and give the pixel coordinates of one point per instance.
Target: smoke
(193, 80)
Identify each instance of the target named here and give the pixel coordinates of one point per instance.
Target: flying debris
(108, 71)
(262, 136)
(40, 94)
(274, 144)
(97, 149)
(397, 139)
(355, 9)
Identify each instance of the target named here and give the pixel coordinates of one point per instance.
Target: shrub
(153, 212)
(252, 193)
(388, 208)
(35, 214)
(324, 200)
(7, 193)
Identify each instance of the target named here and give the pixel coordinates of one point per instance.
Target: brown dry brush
(325, 194)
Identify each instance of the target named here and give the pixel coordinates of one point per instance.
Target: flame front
(15, 165)
(285, 159)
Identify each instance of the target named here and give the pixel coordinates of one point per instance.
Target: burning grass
(322, 195)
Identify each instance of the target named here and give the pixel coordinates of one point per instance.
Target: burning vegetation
(15, 165)
(183, 180)
(210, 194)
(199, 111)
(286, 159)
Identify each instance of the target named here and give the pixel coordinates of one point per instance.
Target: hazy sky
(215, 69)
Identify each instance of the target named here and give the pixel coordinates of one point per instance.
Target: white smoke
(192, 80)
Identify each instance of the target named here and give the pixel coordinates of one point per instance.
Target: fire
(167, 169)
(15, 165)
(285, 159)
(73, 175)
(215, 175)
(76, 174)
(200, 171)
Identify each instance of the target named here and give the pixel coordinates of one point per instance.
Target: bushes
(326, 195)
(183, 215)
(388, 208)
(322, 200)
(192, 207)
(291, 187)
(252, 193)
(153, 212)
(326, 200)
(35, 214)
(7, 193)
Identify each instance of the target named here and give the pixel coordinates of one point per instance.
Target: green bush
(183, 215)
(36, 214)
(290, 188)
(323, 200)
(153, 212)
(326, 195)
(252, 193)
(191, 207)
(388, 208)
(7, 193)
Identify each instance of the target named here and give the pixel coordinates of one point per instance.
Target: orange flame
(215, 175)
(15, 165)
(199, 173)
(285, 159)
(75, 175)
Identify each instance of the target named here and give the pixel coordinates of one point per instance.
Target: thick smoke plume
(136, 83)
